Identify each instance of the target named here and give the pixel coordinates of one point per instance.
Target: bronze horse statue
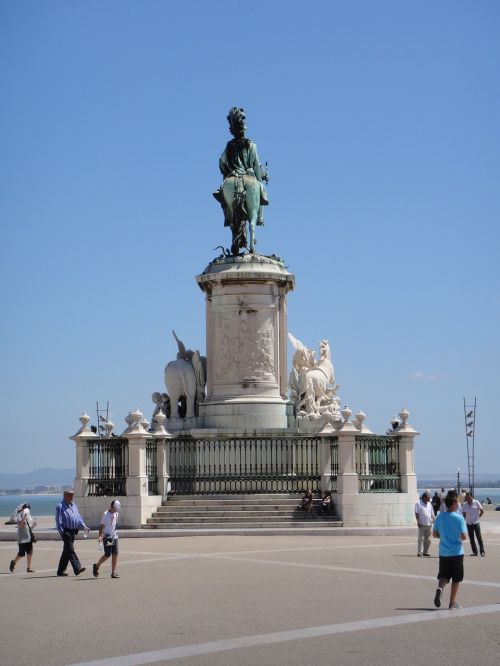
(242, 194)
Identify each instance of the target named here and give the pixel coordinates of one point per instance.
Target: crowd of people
(68, 523)
(450, 518)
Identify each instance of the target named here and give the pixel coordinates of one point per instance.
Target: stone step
(233, 502)
(238, 519)
(317, 524)
(163, 510)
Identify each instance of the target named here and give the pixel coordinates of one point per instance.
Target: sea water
(41, 505)
(479, 493)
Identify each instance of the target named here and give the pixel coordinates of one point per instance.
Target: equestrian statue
(242, 193)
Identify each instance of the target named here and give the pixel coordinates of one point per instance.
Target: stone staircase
(208, 512)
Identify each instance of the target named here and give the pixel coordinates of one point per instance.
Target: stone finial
(136, 420)
(403, 415)
(159, 421)
(129, 419)
(108, 427)
(358, 420)
(145, 424)
(84, 420)
(346, 414)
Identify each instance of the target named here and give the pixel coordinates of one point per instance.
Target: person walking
(108, 535)
(472, 511)
(451, 531)
(424, 513)
(25, 538)
(68, 523)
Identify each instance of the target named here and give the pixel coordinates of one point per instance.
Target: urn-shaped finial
(346, 414)
(136, 419)
(403, 415)
(160, 418)
(84, 420)
(358, 419)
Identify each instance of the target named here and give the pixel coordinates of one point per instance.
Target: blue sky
(379, 121)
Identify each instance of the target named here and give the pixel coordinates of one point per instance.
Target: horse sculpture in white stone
(185, 377)
(312, 383)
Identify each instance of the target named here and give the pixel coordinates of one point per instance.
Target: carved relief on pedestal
(245, 345)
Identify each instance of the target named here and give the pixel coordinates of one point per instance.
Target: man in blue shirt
(68, 522)
(451, 531)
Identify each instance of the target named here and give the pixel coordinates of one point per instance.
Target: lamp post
(458, 480)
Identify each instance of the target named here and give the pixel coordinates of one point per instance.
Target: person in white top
(108, 535)
(472, 512)
(424, 513)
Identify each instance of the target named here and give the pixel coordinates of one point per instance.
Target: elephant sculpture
(185, 378)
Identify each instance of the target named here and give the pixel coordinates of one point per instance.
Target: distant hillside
(39, 477)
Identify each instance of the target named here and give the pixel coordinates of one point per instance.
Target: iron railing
(108, 467)
(244, 465)
(377, 464)
(334, 471)
(151, 470)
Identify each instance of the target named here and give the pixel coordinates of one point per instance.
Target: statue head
(236, 118)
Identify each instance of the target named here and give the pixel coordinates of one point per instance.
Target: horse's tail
(240, 210)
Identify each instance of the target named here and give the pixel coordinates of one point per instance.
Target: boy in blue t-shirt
(451, 530)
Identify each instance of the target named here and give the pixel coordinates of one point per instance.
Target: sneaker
(426, 555)
(80, 570)
(95, 570)
(63, 573)
(30, 571)
(455, 606)
(437, 597)
(483, 554)
(115, 575)
(419, 554)
(473, 554)
(12, 566)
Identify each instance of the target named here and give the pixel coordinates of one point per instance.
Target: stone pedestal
(246, 343)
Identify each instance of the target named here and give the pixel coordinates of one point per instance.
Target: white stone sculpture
(312, 383)
(162, 404)
(185, 377)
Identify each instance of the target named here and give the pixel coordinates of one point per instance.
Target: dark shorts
(111, 550)
(25, 549)
(451, 568)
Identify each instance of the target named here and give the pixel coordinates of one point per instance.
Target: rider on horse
(240, 159)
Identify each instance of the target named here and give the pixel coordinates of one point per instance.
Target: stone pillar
(347, 480)
(246, 343)
(80, 484)
(137, 481)
(162, 454)
(406, 454)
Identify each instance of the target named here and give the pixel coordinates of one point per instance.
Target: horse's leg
(253, 201)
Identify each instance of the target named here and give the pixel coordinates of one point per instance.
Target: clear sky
(380, 123)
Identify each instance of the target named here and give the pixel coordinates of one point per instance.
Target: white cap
(117, 504)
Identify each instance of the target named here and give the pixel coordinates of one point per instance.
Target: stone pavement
(224, 600)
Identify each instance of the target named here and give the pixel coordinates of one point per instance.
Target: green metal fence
(151, 470)
(377, 464)
(108, 467)
(244, 465)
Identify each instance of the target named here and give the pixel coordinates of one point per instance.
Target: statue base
(246, 414)
(246, 343)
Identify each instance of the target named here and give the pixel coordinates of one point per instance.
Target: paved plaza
(207, 601)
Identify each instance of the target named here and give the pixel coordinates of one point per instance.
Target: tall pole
(470, 434)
